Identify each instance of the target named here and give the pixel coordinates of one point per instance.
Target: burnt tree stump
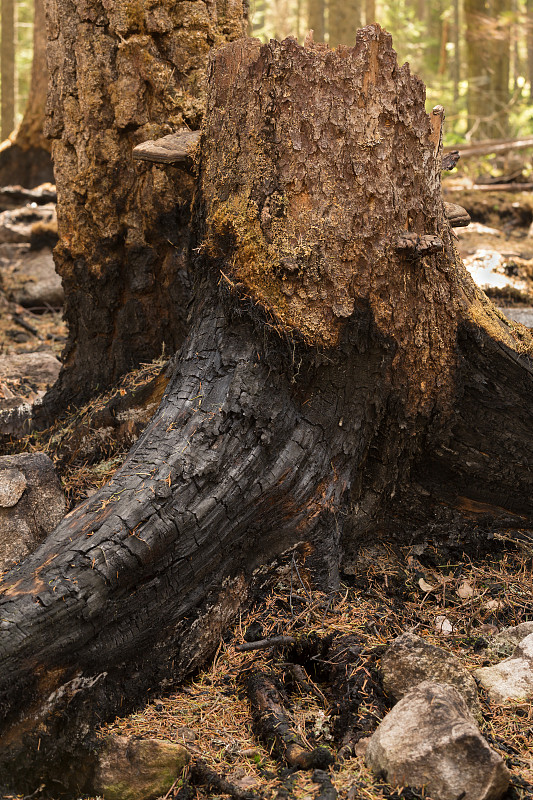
(333, 387)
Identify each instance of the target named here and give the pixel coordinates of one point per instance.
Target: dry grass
(85, 450)
(211, 715)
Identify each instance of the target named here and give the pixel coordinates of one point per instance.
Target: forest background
(475, 57)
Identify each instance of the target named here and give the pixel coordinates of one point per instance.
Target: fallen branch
(503, 187)
(264, 644)
(202, 775)
(273, 726)
(489, 146)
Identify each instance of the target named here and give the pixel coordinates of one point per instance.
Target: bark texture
(338, 371)
(25, 157)
(8, 67)
(123, 72)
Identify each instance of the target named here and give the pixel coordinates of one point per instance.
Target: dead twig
(264, 644)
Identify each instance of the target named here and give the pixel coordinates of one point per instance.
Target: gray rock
(16, 226)
(430, 740)
(24, 378)
(39, 368)
(513, 636)
(138, 769)
(38, 284)
(32, 504)
(410, 660)
(511, 679)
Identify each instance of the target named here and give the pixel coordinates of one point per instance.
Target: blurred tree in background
(475, 56)
(16, 62)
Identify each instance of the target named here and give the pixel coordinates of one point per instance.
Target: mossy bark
(343, 380)
(123, 72)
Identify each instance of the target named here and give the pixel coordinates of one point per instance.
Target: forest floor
(393, 591)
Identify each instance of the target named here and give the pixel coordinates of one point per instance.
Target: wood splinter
(272, 724)
(175, 148)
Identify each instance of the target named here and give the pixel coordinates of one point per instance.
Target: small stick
(305, 683)
(18, 320)
(264, 644)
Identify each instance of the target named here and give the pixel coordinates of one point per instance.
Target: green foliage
(24, 54)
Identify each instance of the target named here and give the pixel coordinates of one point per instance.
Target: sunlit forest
(475, 56)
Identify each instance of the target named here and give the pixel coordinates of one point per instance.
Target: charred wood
(273, 726)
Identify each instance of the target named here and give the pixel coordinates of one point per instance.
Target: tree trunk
(529, 44)
(7, 67)
(488, 49)
(456, 67)
(343, 378)
(344, 19)
(370, 11)
(25, 158)
(316, 19)
(121, 74)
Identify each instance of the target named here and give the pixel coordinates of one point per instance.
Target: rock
(32, 504)
(24, 378)
(39, 284)
(515, 635)
(16, 225)
(430, 740)
(137, 769)
(511, 679)
(410, 660)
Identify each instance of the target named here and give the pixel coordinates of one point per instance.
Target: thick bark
(25, 158)
(7, 67)
(343, 378)
(121, 73)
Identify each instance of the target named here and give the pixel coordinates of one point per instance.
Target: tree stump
(343, 379)
(120, 73)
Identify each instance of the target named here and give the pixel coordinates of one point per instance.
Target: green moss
(277, 274)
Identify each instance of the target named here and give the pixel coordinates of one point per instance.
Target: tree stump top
(323, 157)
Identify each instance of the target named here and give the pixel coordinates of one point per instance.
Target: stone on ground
(430, 740)
(410, 660)
(138, 769)
(32, 504)
(39, 285)
(511, 679)
(24, 378)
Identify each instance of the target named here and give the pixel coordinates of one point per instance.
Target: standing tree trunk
(488, 50)
(122, 73)
(343, 378)
(344, 19)
(7, 67)
(25, 158)
(316, 10)
(370, 11)
(456, 66)
(529, 44)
